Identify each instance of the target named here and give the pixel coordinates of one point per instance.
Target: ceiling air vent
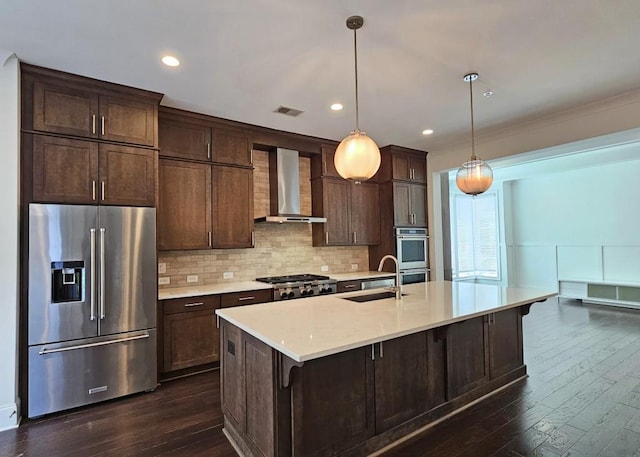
(288, 111)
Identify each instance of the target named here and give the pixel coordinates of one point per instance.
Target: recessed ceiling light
(170, 61)
(488, 93)
(427, 132)
(336, 106)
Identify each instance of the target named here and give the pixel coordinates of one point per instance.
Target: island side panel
(333, 405)
(505, 336)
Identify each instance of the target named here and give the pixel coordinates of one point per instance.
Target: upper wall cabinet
(323, 164)
(190, 136)
(402, 164)
(70, 105)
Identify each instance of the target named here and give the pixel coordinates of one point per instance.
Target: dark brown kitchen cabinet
(186, 135)
(68, 170)
(482, 349)
(409, 204)
(402, 164)
(323, 165)
(202, 206)
(85, 111)
(352, 212)
(505, 342)
(233, 207)
(348, 286)
(190, 336)
(184, 205)
(467, 356)
(184, 140)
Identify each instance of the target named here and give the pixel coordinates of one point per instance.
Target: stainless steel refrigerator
(91, 304)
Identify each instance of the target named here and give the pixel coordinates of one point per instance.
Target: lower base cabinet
(190, 336)
(358, 401)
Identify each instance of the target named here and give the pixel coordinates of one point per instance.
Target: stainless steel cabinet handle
(102, 190)
(324, 162)
(326, 237)
(250, 297)
(45, 351)
(355, 239)
(251, 158)
(189, 305)
(253, 238)
(102, 272)
(350, 286)
(217, 321)
(373, 352)
(93, 124)
(93, 191)
(209, 238)
(381, 350)
(93, 275)
(208, 150)
(102, 126)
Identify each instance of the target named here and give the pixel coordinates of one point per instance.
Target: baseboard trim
(9, 416)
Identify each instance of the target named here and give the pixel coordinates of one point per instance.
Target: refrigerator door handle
(93, 274)
(102, 272)
(46, 351)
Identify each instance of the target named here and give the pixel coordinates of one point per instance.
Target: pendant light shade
(357, 157)
(474, 176)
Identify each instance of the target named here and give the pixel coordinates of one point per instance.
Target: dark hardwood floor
(582, 398)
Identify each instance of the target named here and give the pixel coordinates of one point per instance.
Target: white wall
(9, 147)
(580, 224)
(606, 117)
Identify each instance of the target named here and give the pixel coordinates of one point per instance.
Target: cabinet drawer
(246, 298)
(180, 305)
(348, 286)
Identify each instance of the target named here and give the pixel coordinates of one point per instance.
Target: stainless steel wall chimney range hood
(284, 189)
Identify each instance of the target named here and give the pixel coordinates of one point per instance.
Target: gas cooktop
(298, 286)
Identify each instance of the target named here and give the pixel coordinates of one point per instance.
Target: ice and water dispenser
(67, 281)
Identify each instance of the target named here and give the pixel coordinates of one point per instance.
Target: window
(474, 236)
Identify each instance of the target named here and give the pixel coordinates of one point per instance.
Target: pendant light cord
(355, 54)
(473, 141)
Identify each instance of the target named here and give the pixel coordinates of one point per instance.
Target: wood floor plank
(625, 443)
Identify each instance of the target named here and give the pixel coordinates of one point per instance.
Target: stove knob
(322, 291)
(292, 294)
(310, 292)
(303, 293)
(284, 295)
(328, 290)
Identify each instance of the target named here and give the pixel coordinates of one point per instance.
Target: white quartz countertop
(360, 275)
(309, 328)
(210, 289)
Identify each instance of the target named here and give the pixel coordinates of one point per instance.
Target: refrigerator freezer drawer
(80, 372)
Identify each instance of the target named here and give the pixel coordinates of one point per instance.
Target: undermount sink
(371, 297)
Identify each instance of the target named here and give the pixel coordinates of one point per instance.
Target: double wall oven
(412, 251)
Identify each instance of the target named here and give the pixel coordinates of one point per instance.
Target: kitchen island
(330, 376)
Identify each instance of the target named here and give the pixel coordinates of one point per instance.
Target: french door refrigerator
(91, 304)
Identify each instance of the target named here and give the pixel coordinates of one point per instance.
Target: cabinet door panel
(365, 213)
(233, 203)
(401, 204)
(64, 170)
(231, 147)
(184, 206)
(418, 205)
(127, 175)
(400, 166)
(190, 339)
(127, 121)
(418, 165)
(328, 165)
(65, 110)
(185, 140)
(505, 336)
(337, 204)
(467, 356)
(321, 392)
(401, 380)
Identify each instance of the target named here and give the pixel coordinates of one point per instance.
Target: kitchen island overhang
(329, 376)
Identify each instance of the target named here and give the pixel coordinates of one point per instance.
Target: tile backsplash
(279, 248)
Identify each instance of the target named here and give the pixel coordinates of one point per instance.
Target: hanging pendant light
(357, 157)
(474, 176)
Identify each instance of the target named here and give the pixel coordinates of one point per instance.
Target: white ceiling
(241, 59)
